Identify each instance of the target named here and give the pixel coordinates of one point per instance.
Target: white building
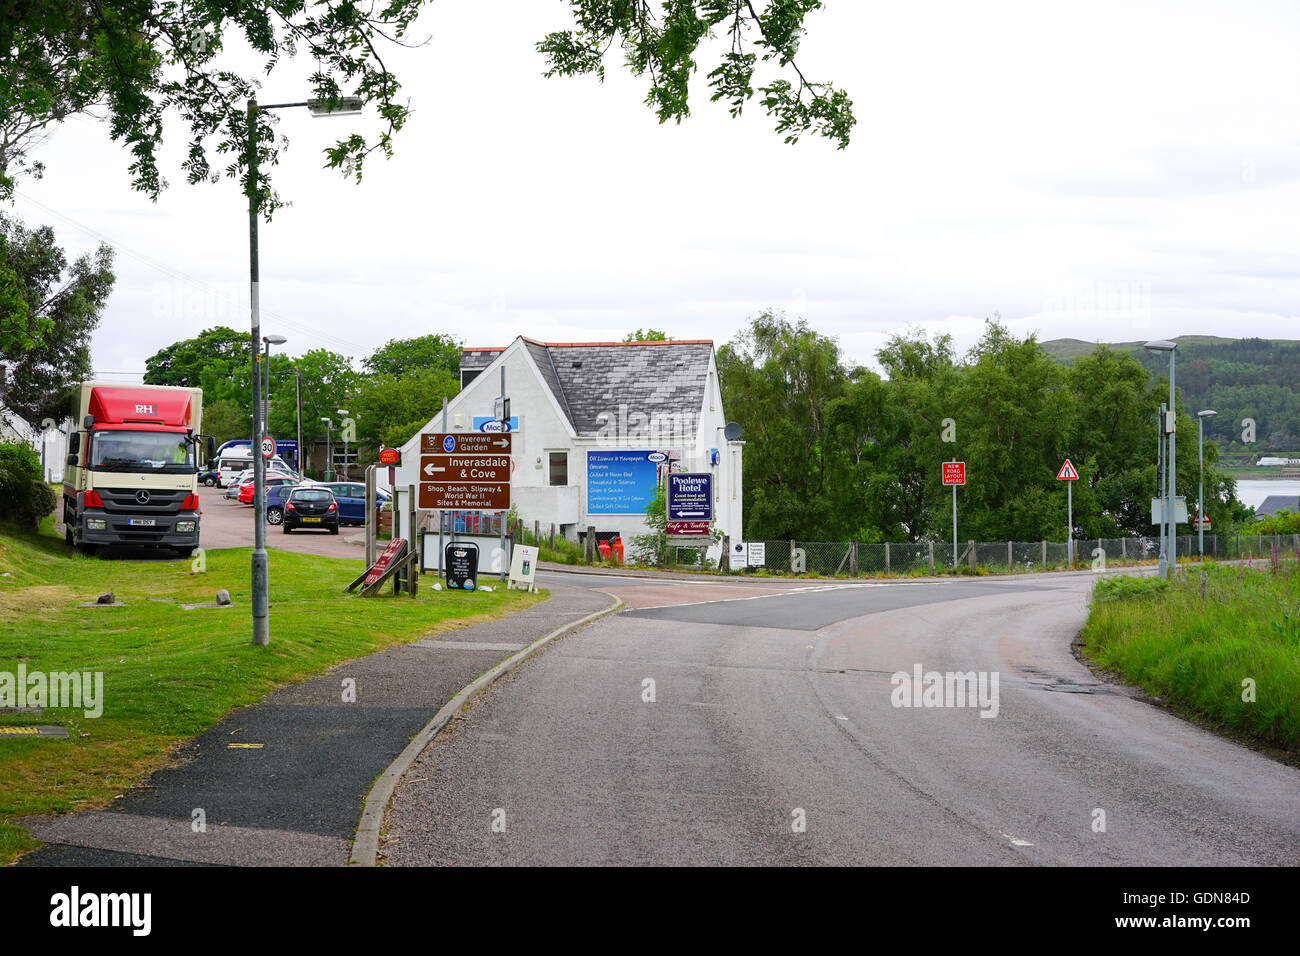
(587, 419)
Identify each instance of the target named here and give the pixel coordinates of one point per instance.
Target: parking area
(229, 524)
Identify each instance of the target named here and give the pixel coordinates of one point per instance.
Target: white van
(239, 458)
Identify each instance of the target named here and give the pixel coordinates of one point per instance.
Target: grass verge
(1230, 658)
(170, 673)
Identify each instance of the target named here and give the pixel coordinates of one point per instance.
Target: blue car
(350, 496)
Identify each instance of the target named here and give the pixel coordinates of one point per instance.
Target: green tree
(389, 410)
(401, 357)
(225, 420)
(648, 335)
(780, 377)
(220, 351)
(153, 63)
(329, 382)
(48, 312)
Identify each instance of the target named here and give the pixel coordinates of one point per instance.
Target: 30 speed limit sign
(268, 447)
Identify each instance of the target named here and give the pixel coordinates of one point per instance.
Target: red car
(246, 491)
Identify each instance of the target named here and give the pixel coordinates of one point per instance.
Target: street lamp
(1167, 511)
(345, 413)
(329, 451)
(1201, 416)
(351, 104)
(268, 341)
(297, 395)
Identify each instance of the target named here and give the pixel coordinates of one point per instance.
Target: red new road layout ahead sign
(1067, 472)
(954, 472)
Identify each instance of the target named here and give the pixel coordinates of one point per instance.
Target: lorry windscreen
(141, 451)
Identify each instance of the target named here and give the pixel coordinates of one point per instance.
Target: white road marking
(1016, 841)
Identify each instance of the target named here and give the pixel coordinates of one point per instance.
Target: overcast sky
(1110, 172)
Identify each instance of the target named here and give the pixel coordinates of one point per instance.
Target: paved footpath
(282, 782)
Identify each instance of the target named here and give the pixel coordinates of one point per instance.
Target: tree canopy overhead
(154, 65)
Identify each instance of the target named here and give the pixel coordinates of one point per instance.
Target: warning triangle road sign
(1067, 472)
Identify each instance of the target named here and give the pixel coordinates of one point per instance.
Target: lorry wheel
(186, 552)
(88, 550)
(67, 536)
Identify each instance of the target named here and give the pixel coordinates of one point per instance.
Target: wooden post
(932, 557)
(724, 559)
(853, 559)
(971, 546)
(887, 557)
(537, 532)
(590, 548)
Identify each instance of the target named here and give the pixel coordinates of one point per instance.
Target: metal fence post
(887, 557)
(1123, 550)
(1044, 555)
(1011, 561)
(931, 557)
(853, 559)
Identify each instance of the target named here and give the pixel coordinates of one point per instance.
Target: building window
(559, 467)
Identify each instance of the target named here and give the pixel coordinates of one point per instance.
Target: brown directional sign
(464, 471)
(462, 468)
(464, 496)
(464, 443)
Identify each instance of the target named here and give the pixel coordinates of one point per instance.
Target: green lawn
(1196, 652)
(170, 673)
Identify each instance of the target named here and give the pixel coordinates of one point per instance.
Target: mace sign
(465, 471)
(690, 504)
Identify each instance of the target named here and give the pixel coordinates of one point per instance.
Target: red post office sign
(390, 457)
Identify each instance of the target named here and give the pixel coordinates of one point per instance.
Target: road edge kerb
(365, 845)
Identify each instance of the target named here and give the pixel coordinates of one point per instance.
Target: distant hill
(1238, 378)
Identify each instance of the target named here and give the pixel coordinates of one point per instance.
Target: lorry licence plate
(141, 522)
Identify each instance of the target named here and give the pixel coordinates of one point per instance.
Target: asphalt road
(773, 738)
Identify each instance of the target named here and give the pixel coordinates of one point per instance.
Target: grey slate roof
(591, 379)
(478, 358)
(1275, 503)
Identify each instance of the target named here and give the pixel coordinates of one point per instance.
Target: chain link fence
(861, 559)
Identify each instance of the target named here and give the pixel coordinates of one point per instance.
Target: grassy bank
(1196, 652)
(170, 673)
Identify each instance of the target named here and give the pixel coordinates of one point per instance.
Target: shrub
(24, 497)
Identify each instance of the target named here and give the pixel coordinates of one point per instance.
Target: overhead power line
(352, 347)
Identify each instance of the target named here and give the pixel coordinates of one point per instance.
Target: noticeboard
(621, 482)
(461, 561)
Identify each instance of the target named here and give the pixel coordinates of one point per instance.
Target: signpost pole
(1069, 523)
(954, 525)
(505, 561)
(441, 545)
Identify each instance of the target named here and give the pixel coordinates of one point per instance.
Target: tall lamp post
(268, 341)
(1163, 345)
(261, 602)
(328, 473)
(345, 413)
(297, 396)
(1201, 416)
